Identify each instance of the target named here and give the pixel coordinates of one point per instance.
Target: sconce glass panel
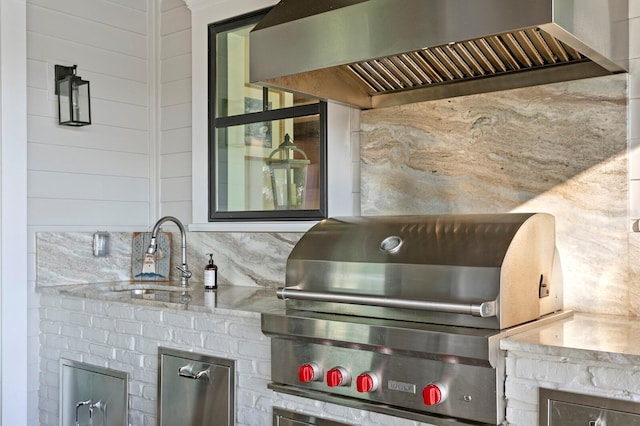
(74, 107)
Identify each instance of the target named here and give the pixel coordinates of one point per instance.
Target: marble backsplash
(559, 149)
(247, 259)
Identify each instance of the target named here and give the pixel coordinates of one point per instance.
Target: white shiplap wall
(13, 207)
(175, 110)
(96, 176)
(99, 176)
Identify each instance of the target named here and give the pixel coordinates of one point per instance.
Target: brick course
(126, 337)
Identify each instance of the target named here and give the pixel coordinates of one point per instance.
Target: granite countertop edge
(584, 336)
(227, 299)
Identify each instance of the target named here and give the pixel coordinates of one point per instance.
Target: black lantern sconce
(74, 105)
(288, 175)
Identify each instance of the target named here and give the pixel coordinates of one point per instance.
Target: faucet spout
(185, 273)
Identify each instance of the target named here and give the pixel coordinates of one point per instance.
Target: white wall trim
(153, 59)
(13, 212)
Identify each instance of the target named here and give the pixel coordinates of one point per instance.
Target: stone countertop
(595, 337)
(224, 300)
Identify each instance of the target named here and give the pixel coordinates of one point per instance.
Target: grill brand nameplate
(401, 386)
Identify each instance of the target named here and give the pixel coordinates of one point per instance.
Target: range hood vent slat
(456, 61)
(516, 51)
(408, 71)
(503, 53)
(525, 43)
(366, 77)
(468, 57)
(437, 65)
(386, 74)
(492, 55)
(455, 71)
(404, 79)
(541, 45)
(556, 47)
(422, 63)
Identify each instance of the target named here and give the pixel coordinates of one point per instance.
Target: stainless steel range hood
(378, 53)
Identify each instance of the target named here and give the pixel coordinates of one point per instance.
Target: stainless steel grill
(403, 315)
(483, 57)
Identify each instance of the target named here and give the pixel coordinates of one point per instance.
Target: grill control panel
(432, 394)
(418, 384)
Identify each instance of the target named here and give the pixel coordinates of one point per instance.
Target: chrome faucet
(153, 245)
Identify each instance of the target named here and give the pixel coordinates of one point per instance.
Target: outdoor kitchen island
(590, 354)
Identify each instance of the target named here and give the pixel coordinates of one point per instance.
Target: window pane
(253, 174)
(234, 94)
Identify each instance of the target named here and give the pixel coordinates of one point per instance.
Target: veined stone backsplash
(249, 259)
(559, 149)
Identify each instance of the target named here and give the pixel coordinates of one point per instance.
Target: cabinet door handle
(78, 405)
(99, 406)
(188, 373)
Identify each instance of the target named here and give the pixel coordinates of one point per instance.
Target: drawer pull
(187, 372)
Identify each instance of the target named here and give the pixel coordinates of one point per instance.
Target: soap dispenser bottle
(211, 274)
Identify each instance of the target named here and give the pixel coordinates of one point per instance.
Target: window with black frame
(267, 147)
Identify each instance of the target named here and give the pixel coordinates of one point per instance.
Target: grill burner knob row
(309, 373)
(338, 376)
(434, 394)
(367, 382)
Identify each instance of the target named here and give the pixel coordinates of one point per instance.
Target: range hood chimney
(379, 53)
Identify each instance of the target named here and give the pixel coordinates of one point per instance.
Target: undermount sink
(154, 291)
(148, 287)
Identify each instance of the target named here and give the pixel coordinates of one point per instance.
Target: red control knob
(367, 382)
(337, 376)
(434, 393)
(309, 373)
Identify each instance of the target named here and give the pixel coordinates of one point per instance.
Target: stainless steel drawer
(195, 389)
(290, 418)
(559, 408)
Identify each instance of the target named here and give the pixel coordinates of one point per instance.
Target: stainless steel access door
(91, 395)
(195, 389)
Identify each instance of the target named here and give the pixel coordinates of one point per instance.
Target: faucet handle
(186, 273)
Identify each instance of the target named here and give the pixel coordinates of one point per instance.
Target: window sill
(275, 226)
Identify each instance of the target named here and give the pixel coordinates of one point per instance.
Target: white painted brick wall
(126, 337)
(526, 372)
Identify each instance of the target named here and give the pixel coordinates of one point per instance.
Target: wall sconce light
(74, 106)
(288, 175)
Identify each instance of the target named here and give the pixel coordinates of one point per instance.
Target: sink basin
(150, 286)
(153, 291)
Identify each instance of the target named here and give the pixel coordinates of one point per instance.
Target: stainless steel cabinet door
(558, 408)
(92, 396)
(196, 390)
(283, 417)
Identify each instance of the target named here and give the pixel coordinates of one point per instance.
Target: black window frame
(214, 123)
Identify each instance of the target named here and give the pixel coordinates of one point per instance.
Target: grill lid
(377, 53)
(482, 270)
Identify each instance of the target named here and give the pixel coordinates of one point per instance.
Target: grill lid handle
(483, 309)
